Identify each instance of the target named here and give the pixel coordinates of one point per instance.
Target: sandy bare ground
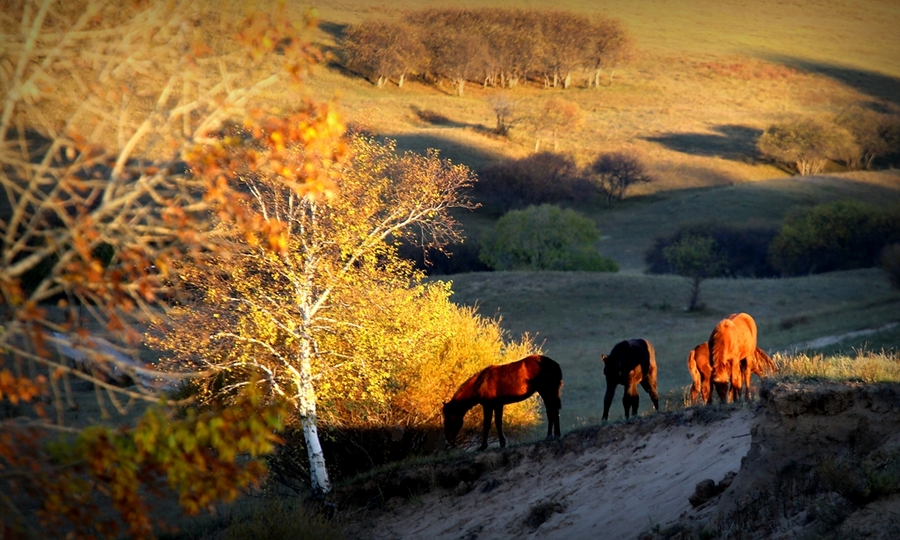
(623, 483)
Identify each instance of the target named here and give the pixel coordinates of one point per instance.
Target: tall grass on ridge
(869, 367)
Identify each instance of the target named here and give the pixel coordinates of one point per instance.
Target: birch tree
(278, 306)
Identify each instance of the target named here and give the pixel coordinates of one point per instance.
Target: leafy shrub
(543, 178)
(544, 237)
(806, 145)
(836, 236)
(745, 248)
(432, 346)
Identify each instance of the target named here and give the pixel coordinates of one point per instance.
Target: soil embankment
(806, 460)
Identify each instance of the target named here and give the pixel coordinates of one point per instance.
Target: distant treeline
(493, 47)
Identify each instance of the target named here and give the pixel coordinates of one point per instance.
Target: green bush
(836, 236)
(544, 237)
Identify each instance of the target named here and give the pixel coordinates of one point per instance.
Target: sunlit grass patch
(865, 366)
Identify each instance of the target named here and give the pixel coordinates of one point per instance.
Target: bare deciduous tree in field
(695, 257)
(553, 116)
(613, 173)
(102, 102)
(506, 110)
(611, 47)
(806, 144)
(383, 49)
(872, 132)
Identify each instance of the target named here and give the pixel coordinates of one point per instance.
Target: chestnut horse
(733, 356)
(698, 366)
(630, 362)
(496, 386)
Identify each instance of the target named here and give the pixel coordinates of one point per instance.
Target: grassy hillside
(707, 80)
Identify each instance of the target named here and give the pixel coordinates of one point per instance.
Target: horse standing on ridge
(734, 356)
(496, 386)
(629, 363)
(700, 370)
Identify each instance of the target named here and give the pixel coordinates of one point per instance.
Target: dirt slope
(609, 482)
(812, 460)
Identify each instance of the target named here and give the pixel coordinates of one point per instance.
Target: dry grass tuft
(868, 367)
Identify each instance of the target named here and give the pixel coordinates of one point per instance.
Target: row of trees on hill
(494, 47)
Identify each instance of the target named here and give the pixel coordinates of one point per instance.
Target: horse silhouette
(629, 363)
(700, 369)
(496, 386)
(734, 356)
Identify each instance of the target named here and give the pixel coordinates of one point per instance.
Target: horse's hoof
(482, 448)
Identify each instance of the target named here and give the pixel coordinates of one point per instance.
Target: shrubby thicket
(835, 236)
(842, 235)
(542, 178)
(500, 47)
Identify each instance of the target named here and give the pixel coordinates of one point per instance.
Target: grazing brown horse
(496, 386)
(630, 362)
(698, 365)
(733, 356)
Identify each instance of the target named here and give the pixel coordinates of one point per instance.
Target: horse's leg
(650, 388)
(631, 399)
(498, 414)
(608, 398)
(486, 425)
(736, 377)
(553, 405)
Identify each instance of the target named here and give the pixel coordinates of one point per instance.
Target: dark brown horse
(496, 386)
(630, 362)
(698, 366)
(733, 356)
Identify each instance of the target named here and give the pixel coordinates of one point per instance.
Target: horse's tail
(766, 364)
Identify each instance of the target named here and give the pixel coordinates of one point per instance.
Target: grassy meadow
(707, 79)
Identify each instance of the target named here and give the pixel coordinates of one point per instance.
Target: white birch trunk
(306, 394)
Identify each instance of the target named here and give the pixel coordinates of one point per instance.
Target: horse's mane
(466, 391)
(716, 348)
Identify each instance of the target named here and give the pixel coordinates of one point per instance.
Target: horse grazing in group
(734, 357)
(630, 362)
(700, 369)
(496, 386)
